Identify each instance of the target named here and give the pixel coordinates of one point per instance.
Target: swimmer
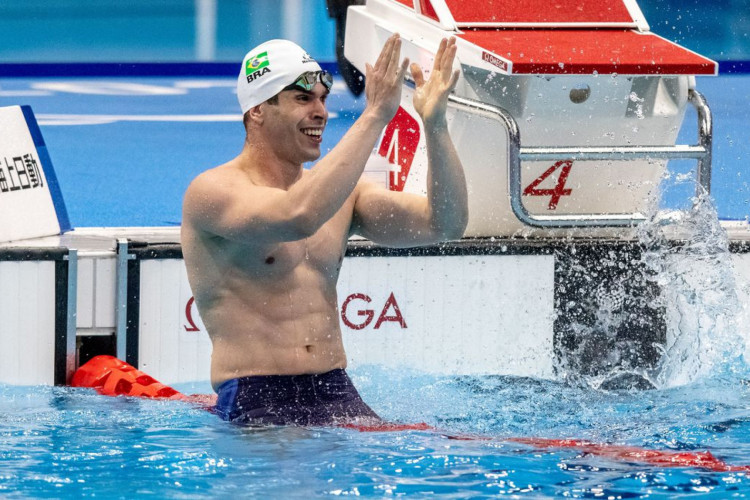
(263, 238)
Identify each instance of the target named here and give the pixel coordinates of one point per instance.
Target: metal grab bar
(516, 153)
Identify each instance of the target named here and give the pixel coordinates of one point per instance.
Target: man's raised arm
(404, 219)
(269, 214)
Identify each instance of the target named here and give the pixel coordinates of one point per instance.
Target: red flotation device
(113, 377)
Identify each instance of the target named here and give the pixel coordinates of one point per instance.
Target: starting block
(564, 115)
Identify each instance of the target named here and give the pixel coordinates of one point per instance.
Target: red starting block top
(564, 37)
(538, 13)
(576, 52)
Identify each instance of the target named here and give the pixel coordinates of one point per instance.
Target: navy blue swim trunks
(306, 400)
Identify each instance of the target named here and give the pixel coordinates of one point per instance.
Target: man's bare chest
(321, 253)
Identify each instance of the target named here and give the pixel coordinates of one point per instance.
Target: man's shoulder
(225, 172)
(216, 181)
(208, 189)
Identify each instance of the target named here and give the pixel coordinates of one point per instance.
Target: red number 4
(558, 191)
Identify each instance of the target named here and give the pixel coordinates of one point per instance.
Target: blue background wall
(165, 30)
(153, 30)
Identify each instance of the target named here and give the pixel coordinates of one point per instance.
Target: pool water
(64, 442)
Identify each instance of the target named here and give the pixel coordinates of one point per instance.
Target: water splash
(698, 293)
(638, 105)
(659, 313)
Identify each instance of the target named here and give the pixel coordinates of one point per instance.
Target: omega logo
(356, 319)
(390, 312)
(191, 326)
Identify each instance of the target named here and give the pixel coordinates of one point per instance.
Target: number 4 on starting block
(558, 191)
(399, 145)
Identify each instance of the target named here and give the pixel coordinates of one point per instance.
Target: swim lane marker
(112, 377)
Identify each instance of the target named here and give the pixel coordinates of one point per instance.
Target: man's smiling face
(296, 123)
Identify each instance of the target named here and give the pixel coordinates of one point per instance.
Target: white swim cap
(268, 68)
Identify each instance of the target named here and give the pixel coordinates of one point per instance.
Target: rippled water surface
(64, 442)
(73, 442)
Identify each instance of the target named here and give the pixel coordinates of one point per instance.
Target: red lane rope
(661, 458)
(112, 377)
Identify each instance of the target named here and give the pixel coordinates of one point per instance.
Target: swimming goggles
(307, 80)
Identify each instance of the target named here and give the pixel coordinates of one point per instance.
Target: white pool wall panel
(27, 322)
(95, 299)
(168, 349)
(464, 314)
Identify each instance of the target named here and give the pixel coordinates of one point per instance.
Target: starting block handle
(700, 152)
(706, 138)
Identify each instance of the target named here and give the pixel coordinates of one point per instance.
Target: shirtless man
(263, 239)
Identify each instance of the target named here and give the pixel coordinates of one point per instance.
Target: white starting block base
(471, 307)
(563, 118)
